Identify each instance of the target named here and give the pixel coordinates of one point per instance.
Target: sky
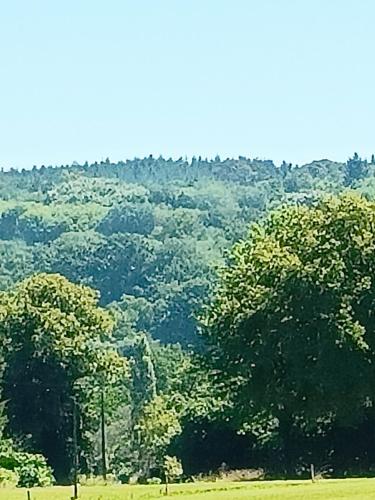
(82, 80)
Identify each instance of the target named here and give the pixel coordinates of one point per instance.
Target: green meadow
(291, 490)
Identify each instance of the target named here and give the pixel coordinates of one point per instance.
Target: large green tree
(56, 349)
(292, 329)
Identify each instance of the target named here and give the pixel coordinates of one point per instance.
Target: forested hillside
(149, 235)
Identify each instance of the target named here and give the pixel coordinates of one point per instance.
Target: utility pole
(102, 419)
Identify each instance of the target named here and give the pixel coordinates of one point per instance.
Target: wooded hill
(149, 235)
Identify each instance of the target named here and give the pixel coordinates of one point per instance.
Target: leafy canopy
(292, 327)
(56, 347)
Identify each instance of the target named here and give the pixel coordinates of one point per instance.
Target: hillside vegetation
(149, 235)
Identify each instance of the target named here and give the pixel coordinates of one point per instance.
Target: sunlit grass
(274, 490)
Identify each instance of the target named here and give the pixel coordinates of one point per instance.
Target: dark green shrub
(32, 469)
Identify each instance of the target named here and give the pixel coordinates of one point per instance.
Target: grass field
(272, 490)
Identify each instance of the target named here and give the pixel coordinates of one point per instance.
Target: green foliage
(172, 468)
(153, 228)
(356, 168)
(291, 327)
(148, 234)
(56, 346)
(15, 224)
(79, 189)
(117, 265)
(16, 262)
(158, 424)
(29, 469)
(149, 228)
(128, 218)
(143, 374)
(8, 478)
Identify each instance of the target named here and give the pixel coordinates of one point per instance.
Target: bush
(209, 477)
(8, 478)
(91, 480)
(154, 480)
(31, 469)
(172, 468)
(235, 475)
(241, 474)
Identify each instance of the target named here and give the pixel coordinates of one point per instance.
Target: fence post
(166, 484)
(312, 472)
(75, 450)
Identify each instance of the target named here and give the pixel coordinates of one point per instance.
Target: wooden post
(166, 485)
(102, 415)
(28, 495)
(312, 472)
(75, 451)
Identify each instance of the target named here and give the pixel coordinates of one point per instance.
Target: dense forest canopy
(149, 235)
(150, 232)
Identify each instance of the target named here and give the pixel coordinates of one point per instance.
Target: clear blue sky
(280, 79)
